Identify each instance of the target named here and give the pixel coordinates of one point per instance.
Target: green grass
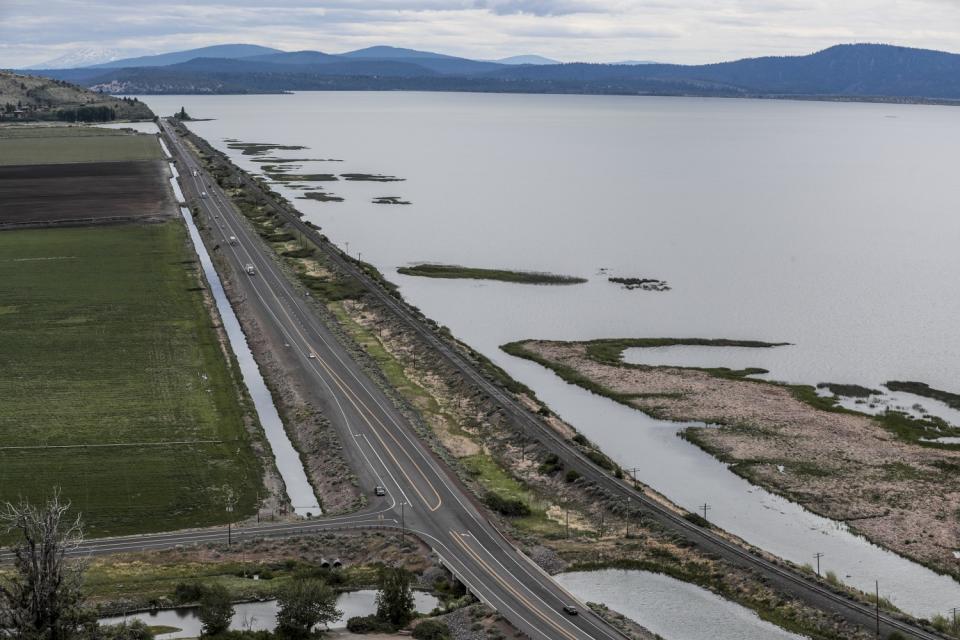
(106, 340)
(77, 146)
(952, 400)
(492, 478)
(473, 273)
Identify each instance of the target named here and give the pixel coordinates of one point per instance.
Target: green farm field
(113, 383)
(59, 144)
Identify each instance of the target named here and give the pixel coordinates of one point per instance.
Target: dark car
(570, 610)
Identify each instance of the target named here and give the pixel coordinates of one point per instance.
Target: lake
(826, 225)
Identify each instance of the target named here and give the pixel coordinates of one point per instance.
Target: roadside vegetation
(116, 387)
(473, 273)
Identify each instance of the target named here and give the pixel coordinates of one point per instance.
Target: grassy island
(472, 273)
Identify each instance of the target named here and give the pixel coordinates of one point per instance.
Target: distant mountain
(861, 71)
(80, 58)
(175, 57)
(386, 53)
(636, 62)
(527, 59)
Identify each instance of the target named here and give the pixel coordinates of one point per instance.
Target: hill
(859, 71)
(34, 98)
(164, 59)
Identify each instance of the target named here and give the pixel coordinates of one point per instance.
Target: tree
(303, 605)
(42, 598)
(216, 610)
(395, 598)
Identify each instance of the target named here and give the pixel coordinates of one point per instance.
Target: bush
(368, 624)
(511, 507)
(431, 630)
(550, 465)
(572, 475)
(581, 440)
(697, 519)
(133, 630)
(188, 592)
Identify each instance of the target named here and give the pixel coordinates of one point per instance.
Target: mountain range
(855, 71)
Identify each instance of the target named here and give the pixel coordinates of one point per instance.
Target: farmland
(115, 386)
(60, 144)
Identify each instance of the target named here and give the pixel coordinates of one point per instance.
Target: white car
(251, 271)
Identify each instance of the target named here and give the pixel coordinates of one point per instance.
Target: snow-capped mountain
(81, 58)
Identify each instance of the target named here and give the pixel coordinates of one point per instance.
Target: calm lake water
(673, 609)
(829, 226)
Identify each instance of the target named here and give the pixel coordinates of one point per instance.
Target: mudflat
(843, 465)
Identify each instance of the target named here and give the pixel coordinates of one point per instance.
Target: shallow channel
(673, 609)
(262, 616)
(287, 459)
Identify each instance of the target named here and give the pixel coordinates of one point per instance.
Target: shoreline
(664, 392)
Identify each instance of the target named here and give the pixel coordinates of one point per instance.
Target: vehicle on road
(570, 610)
(195, 173)
(233, 240)
(251, 270)
(203, 194)
(379, 490)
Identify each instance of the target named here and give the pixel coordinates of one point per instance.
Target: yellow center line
(348, 393)
(354, 399)
(458, 538)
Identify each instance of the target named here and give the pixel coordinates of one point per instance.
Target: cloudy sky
(686, 31)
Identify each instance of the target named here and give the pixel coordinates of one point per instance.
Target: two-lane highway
(421, 492)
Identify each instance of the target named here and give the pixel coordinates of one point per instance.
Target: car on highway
(570, 610)
(203, 194)
(233, 240)
(251, 270)
(379, 490)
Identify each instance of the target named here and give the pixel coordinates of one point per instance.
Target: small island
(644, 284)
(390, 200)
(473, 273)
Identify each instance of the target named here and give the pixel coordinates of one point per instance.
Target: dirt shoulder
(842, 465)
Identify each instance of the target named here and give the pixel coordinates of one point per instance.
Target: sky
(682, 31)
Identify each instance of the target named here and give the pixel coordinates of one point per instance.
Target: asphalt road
(784, 577)
(422, 494)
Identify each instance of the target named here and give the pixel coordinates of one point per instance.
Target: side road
(784, 577)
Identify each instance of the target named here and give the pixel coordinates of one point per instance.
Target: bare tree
(42, 597)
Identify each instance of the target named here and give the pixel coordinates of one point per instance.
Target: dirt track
(35, 195)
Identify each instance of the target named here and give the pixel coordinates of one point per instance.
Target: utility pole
(878, 609)
(230, 501)
(628, 517)
(347, 244)
(403, 525)
(954, 612)
(818, 555)
(633, 472)
(567, 509)
(706, 507)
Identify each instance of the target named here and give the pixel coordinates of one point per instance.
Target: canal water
(287, 458)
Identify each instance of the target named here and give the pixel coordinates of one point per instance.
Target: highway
(422, 494)
(785, 578)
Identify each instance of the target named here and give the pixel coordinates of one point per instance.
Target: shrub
(187, 592)
(572, 475)
(431, 630)
(697, 519)
(511, 507)
(550, 465)
(368, 624)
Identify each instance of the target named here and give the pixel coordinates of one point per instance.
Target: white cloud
(688, 31)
